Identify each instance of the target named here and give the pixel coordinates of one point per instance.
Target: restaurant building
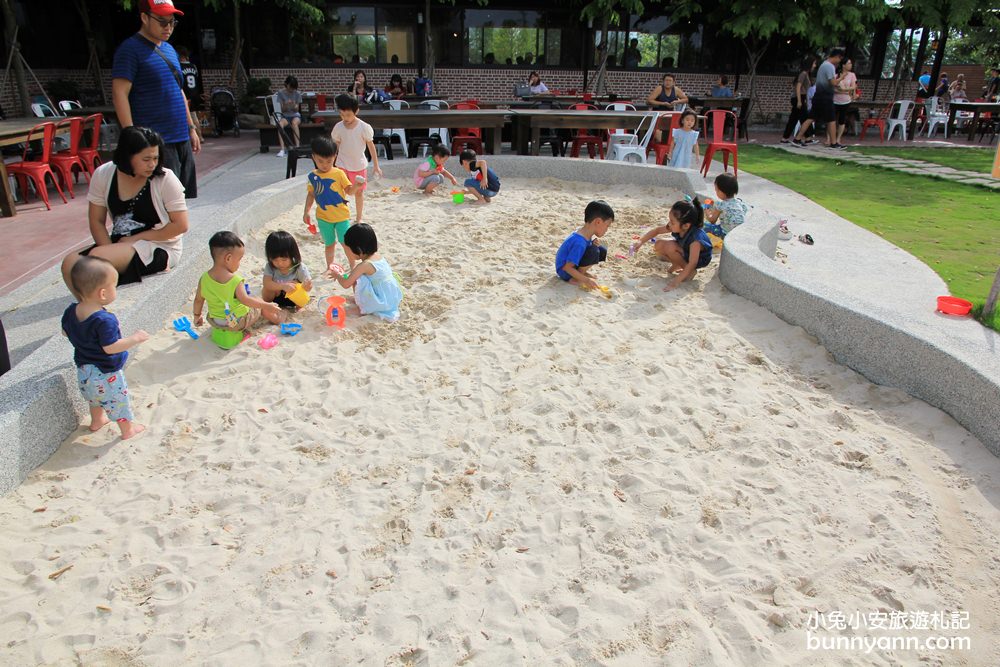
(478, 52)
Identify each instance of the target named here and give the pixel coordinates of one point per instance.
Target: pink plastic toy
(268, 341)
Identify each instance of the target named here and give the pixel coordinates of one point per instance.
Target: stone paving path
(918, 167)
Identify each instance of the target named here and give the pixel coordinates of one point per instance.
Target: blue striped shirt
(156, 98)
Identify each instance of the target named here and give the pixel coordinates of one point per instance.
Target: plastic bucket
(458, 197)
(226, 339)
(952, 305)
(299, 296)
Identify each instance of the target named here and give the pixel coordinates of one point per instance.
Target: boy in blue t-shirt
(99, 349)
(484, 183)
(580, 250)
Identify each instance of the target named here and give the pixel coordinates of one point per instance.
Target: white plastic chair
(897, 118)
(619, 135)
(621, 151)
(42, 110)
(935, 116)
(440, 131)
(396, 105)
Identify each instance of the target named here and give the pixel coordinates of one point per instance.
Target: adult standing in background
(822, 103)
(633, 56)
(800, 107)
(843, 95)
(147, 88)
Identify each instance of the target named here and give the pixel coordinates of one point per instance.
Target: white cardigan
(167, 194)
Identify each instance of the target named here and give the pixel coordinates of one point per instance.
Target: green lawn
(951, 227)
(964, 159)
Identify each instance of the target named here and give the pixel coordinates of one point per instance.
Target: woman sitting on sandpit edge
(146, 205)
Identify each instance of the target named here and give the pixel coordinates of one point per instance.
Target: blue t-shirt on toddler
(90, 337)
(571, 250)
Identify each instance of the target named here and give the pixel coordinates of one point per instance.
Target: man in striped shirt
(147, 90)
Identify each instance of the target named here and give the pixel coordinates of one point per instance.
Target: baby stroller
(225, 112)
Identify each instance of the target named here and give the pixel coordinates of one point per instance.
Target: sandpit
(517, 472)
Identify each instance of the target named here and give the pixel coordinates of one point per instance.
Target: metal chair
(667, 123)
(718, 119)
(294, 152)
(91, 154)
(64, 161)
(548, 136)
(935, 116)
(621, 150)
(581, 138)
(37, 170)
(467, 136)
(619, 135)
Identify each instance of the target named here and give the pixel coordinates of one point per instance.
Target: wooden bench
(307, 132)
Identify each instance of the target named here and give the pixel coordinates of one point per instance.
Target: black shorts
(593, 255)
(136, 270)
(822, 109)
(843, 111)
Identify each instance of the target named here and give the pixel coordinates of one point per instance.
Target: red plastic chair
(320, 102)
(91, 155)
(63, 162)
(581, 138)
(718, 119)
(467, 136)
(36, 170)
(667, 123)
(878, 121)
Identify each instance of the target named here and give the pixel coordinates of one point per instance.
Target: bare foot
(96, 424)
(131, 429)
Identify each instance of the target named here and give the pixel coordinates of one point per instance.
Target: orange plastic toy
(335, 312)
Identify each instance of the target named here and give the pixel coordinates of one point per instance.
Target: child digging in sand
(431, 172)
(484, 184)
(99, 350)
(729, 210)
(580, 250)
(230, 307)
(688, 250)
(376, 290)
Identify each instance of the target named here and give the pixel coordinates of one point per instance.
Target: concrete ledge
(952, 364)
(40, 403)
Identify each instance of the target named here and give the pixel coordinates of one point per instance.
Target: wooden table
(107, 111)
(15, 131)
(529, 123)
(491, 120)
(976, 108)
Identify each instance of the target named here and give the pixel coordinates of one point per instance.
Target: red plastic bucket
(952, 305)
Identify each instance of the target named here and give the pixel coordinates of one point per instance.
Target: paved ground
(918, 167)
(36, 238)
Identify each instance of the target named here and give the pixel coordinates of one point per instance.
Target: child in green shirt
(230, 306)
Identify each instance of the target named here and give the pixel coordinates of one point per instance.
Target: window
(367, 35)
(654, 46)
(511, 37)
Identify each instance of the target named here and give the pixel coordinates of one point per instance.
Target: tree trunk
(600, 79)
(429, 41)
(938, 59)
(754, 53)
(13, 50)
(991, 300)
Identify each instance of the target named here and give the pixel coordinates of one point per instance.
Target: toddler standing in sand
(689, 249)
(230, 306)
(327, 187)
(580, 250)
(99, 350)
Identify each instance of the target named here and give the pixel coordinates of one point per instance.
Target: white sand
(515, 473)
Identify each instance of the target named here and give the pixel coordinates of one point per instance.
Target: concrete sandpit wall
(956, 373)
(41, 405)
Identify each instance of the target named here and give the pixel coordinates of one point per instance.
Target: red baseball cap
(159, 7)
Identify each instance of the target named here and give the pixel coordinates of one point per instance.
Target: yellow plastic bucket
(299, 296)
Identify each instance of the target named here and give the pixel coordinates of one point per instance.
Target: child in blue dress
(376, 290)
(689, 249)
(685, 142)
